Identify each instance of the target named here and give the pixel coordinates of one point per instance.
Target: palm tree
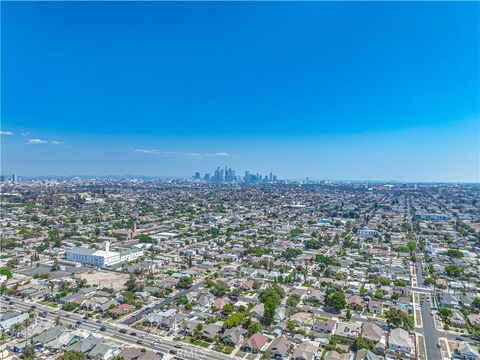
(3, 337)
(57, 321)
(16, 328)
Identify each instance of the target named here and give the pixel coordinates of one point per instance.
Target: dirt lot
(106, 278)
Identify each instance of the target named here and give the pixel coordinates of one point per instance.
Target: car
(133, 333)
(33, 307)
(98, 321)
(123, 331)
(459, 338)
(10, 303)
(139, 341)
(178, 346)
(78, 323)
(103, 328)
(439, 346)
(173, 351)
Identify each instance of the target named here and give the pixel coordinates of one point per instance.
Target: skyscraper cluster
(228, 175)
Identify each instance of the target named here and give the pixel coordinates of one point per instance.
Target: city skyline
(187, 86)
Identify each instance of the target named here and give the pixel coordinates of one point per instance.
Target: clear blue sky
(326, 90)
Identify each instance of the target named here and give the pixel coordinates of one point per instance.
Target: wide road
(149, 341)
(430, 333)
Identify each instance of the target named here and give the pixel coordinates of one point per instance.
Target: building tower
(106, 246)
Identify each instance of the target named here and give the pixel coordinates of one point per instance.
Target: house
(447, 299)
(103, 351)
(205, 299)
(7, 319)
(220, 303)
(474, 320)
(315, 296)
(122, 309)
(258, 311)
(372, 332)
(279, 348)
(210, 330)
(305, 351)
(255, 343)
(348, 330)
(375, 307)
(189, 327)
(355, 302)
(400, 342)
(234, 336)
(466, 351)
(457, 320)
(84, 345)
(364, 354)
(334, 355)
(325, 327)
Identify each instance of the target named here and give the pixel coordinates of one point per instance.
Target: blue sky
(327, 90)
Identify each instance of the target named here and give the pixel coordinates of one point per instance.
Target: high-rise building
(14, 178)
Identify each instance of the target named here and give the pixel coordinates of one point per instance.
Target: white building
(367, 232)
(131, 254)
(9, 318)
(104, 257)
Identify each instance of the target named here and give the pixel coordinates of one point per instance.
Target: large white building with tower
(104, 257)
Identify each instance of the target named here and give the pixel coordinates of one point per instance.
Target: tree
(253, 328)
(55, 265)
(197, 333)
(362, 343)
(398, 318)
(233, 320)
(72, 355)
(220, 289)
(476, 303)
(275, 292)
(293, 300)
(335, 300)
(185, 282)
(80, 283)
(6, 272)
(214, 232)
(69, 306)
(57, 321)
(348, 315)
(454, 270)
(227, 309)
(16, 328)
(378, 294)
(291, 253)
(325, 260)
(445, 312)
(454, 253)
(291, 326)
(269, 311)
